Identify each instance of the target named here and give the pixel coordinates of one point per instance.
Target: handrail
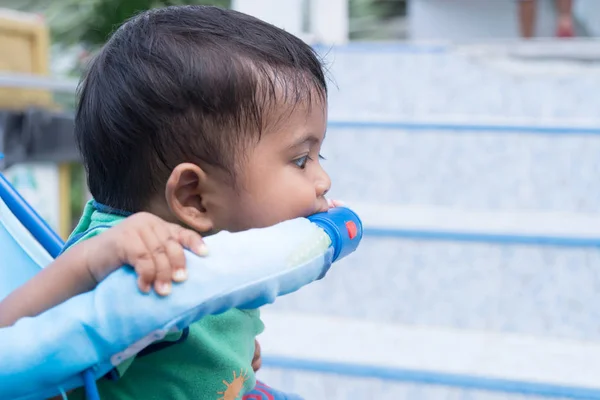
(29, 81)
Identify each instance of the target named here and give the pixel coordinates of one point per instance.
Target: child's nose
(323, 184)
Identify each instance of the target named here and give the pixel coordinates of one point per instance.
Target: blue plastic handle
(35, 224)
(344, 228)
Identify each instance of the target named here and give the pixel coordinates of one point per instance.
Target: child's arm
(153, 247)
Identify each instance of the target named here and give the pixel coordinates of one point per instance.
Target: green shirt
(213, 363)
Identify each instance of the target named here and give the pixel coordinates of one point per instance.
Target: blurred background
(466, 133)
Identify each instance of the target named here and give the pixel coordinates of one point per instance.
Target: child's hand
(153, 247)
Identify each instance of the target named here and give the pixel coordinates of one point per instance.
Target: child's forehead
(287, 89)
(294, 119)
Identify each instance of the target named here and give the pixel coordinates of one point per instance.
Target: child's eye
(301, 162)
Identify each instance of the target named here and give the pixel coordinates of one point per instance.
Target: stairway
(476, 171)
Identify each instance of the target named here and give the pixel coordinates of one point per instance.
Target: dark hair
(184, 84)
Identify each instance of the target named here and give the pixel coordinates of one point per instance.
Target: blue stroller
(82, 339)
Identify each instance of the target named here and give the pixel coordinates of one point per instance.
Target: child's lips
(324, 206)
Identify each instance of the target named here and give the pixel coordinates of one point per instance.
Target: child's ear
(185, 191)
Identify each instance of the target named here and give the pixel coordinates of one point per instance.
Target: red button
(352, 229)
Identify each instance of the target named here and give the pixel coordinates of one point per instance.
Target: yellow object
(64, 193)
(24, 49)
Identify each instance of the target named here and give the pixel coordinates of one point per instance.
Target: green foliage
(368, 17)
(90, 22)
(106, 15)
(389, 8)
(379, 9)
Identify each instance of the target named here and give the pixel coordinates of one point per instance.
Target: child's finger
(135, 253)
(156, 240)
(193, 241)
(177, 260)
(144, 268)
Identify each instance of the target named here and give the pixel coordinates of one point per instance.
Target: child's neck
(161, 209)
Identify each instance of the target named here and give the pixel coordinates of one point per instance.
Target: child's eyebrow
(308, 138)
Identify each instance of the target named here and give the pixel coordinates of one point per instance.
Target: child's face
(281, 178)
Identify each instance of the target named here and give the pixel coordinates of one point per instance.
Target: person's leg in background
(527, 10)
(564, 22)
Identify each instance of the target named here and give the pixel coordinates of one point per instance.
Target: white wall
(38, 183)
(327, 19)
(284, 14)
